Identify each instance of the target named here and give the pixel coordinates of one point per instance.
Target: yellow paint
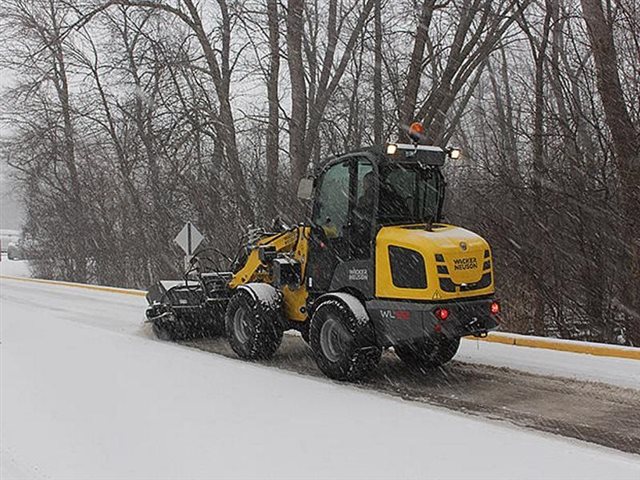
(253, 270)
(442, 239)
(296, 299)
(295, 242)
(98, 288)
(598, 349)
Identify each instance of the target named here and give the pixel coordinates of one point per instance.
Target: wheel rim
(241, 324)
(334, 339)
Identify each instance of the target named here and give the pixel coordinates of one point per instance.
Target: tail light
(442, 314)
(495, 308)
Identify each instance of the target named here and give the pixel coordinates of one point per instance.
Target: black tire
(304, 333)
(343, 345)
(252, 327)
(428, 353)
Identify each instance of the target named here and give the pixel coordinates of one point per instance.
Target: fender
(263, 293)
(349, 301)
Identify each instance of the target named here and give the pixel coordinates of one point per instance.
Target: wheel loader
(374, 267)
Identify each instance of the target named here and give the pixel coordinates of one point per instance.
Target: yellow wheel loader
(372, 268)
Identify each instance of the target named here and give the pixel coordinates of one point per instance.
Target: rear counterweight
(399, 322)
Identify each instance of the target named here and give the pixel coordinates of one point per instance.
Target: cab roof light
(392, 148)
(454, 153)
(416, 132)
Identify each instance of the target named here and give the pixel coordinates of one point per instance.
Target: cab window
(363, 210)
(332, 207)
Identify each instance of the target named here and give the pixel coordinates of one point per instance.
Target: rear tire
(428, 353)
(252, 327)
(344, 345)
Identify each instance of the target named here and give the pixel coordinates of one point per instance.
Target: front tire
(252, 327)
(343, 343)
(428, 353)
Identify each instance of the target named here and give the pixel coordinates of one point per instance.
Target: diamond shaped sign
(189, 238)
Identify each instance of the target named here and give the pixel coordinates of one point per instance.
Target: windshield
(409, 194)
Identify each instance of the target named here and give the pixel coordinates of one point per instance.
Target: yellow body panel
(294, 242)
(465, 266)
(295, 300)
(463, 253)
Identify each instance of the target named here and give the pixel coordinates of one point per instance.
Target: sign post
(188, 239)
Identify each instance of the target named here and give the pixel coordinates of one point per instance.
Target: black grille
(446, 285)
(407, 268)
(484, 282)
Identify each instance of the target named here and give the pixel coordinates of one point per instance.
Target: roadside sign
(189, 238)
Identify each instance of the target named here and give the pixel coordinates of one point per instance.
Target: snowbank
(615, 371)
(16, 268)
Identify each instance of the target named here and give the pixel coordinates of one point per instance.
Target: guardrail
(513, 339)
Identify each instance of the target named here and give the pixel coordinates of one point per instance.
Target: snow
(519, 339)
(354, 305)
(621, 372)
(16, 268)
(86, 394)
(265, 293)
(614, 371)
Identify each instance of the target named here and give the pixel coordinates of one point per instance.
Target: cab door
(336, 234)
(330, 224)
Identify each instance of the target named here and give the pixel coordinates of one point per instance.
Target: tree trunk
(378, 121)
(273, 138)
(626, 144)
(298, 123)
(414, 73)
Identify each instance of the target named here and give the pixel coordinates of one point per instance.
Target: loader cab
(357, 194)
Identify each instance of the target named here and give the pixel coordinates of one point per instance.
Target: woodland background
(130, 116)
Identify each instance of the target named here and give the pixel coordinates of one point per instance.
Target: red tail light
(495, 308)
(442, 313)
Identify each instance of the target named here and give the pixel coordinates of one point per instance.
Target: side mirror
(305, 189)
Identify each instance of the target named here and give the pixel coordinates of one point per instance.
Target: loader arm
(292, 244)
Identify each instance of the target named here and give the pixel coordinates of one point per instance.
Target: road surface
(86, 393)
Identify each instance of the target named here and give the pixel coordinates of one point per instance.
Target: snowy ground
(85, 394)
(614, 371)
(19, 268)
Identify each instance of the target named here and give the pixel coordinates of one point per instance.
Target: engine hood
(457, 261)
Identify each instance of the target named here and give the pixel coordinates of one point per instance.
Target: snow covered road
(86, 394)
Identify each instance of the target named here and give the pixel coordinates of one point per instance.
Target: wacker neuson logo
(358, 274)
(467, 263)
